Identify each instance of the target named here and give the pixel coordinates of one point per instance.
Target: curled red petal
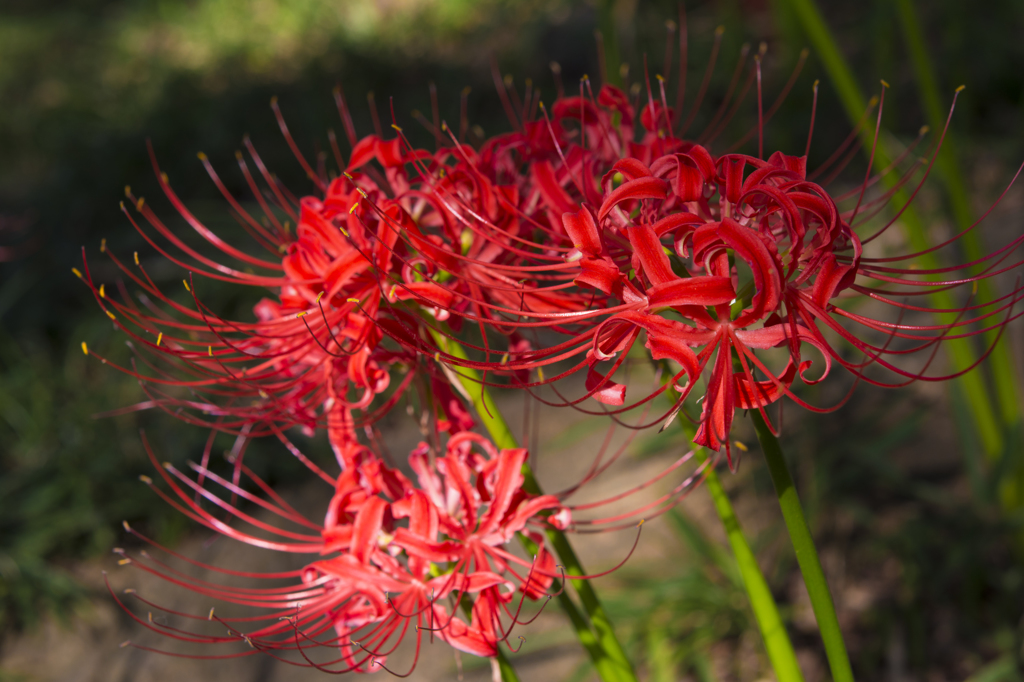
(641, 188)
(610, 392)
(703, 291)
(582, 230)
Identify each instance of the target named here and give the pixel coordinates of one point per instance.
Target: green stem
(508, 673)
(806, 554)
(961, 352)
(776, 639)
(609, 657)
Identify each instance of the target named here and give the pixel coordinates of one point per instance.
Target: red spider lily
(312, 356)
(390, 557)
(442, 231)
(727, 254)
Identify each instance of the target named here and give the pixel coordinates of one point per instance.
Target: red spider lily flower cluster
(712, 258)
(313, 356)
(555, 247)
(391, 556)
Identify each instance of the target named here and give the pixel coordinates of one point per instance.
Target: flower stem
(508, 673)
(806, 554)
(776, 639)
(609, 657)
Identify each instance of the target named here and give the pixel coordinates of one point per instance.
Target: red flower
(391, 558)
(313, 354)
(713, 258)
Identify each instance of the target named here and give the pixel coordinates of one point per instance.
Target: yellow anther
(103, 245)
(146, 479)
(238, 154)
(352, 300)
(209, 350)
(122, 562)
(298, 315)
(817, 82)
(540, 373)
(319, 296)
(202, 156)
(110, 314)
(396, 127)
(974, 288)
(343, 230)
(742, 447)
(129, 590)
(136, 257)
(126, 526)
(187, 287)
(263, 394)
(85, 348)
(346, 174)
(166, 180)
(924, 130)
(584, 78)
(354, 207)
(159, 338)
(102, 292)
(140, 203)
(210, 617)
(884, 84)
(720, 30)
(444, 126)
(659, 77)
(128, 191)
(873, 102)
(641, 523)
(504, 359)
(437, 356)
(960, 89)
(125, 643)
(78, 273)
(273, 101)
(362, 192)
(542, 106)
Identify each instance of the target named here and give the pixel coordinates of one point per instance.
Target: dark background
(84, 85)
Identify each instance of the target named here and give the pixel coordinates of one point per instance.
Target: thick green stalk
(508, 673)
(961, 351)
(776, 639)
(806, 553)
(609, 657)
